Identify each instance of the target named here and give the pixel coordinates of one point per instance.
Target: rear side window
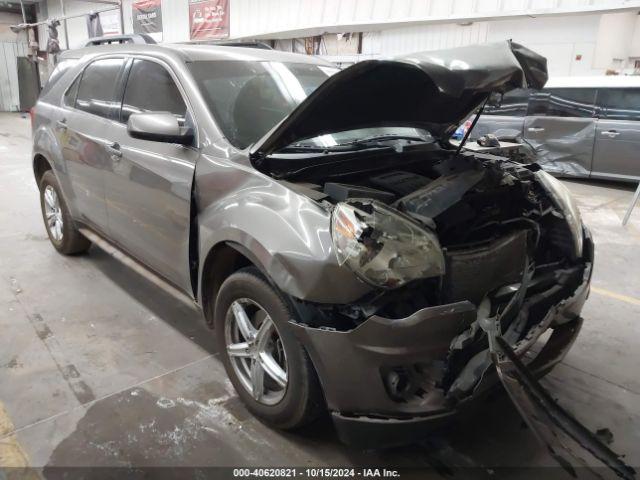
(514, 104)
(563, 102)
(99, 86)
(620, 103)
(71, 93)
(150, 88)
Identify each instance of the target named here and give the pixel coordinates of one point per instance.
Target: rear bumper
(357, 368)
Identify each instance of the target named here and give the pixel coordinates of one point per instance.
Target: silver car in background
(585, 127)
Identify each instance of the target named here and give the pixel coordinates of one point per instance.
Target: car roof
(595, 81)
(194, 53)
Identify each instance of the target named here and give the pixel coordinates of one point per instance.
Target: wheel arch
(222, 260)
(40, 165)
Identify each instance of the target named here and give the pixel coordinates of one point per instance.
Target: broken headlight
(381, 246)
(563, 200)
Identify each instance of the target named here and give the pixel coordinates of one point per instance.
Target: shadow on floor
(185, 319)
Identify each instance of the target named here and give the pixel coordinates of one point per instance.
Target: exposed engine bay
(465, 228)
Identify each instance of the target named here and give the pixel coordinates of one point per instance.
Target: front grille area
(475, 271)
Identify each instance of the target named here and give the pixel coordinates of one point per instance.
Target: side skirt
(137, 267)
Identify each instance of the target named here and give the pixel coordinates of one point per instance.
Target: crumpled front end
(512, 252)
(392, 379)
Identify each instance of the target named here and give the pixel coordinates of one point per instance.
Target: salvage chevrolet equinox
(348, 255)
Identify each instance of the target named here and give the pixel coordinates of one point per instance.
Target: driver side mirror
(159, 127)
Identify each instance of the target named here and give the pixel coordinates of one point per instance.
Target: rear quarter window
(620, 103)
(563, 102)
(58, 72)
(69, 98)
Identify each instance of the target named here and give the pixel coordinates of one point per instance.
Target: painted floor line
(616, 296)
(11, 453)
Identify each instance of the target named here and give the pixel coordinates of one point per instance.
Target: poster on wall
(147, 16)
(209, 19)
(110, 21)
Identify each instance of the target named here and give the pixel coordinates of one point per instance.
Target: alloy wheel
(255, 350)
(53, 213)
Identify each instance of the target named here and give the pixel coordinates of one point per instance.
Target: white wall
(575, 44)
(569, 43)
(11, 46)
(614, 39)
(298, 18)
(560, 39)
(175, 19)
(76, 27)
(423, 37)
(291, 18)
(7, 19)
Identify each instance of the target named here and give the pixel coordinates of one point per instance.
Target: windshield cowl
(361, 139)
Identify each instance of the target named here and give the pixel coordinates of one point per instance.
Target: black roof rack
(261, 45)
(139, 38)
(249, 44)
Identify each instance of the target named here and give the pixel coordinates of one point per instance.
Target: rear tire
(287, 407)
(61, 228)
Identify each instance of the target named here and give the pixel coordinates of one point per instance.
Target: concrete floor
(98, 367)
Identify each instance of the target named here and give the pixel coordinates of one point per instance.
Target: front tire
(61, 228)
(267, 365)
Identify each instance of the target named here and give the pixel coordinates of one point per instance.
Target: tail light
(32, 115)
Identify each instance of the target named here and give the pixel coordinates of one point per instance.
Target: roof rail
(253, 44)
(139, 38)
(230, 43)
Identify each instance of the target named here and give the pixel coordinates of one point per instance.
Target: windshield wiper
(377, 141)
(380, 138)
(361, 143)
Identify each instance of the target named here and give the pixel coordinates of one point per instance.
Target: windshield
(248, 99)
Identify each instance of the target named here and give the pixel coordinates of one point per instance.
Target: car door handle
(610, 133)
(62, 124)
(114, 150)
(535, 129)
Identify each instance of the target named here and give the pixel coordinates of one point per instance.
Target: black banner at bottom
(374, 472)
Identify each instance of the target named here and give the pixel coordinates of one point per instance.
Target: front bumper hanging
(557, 429)
(357, 367)
(352, 366)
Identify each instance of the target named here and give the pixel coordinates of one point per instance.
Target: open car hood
(435, 91)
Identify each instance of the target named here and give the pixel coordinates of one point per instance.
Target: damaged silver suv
(349, 257)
